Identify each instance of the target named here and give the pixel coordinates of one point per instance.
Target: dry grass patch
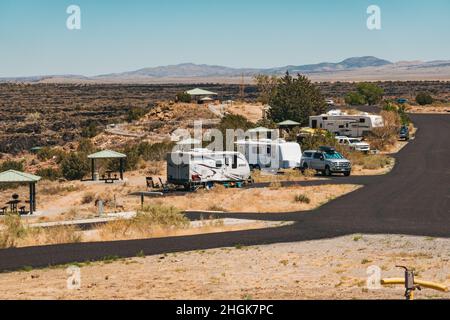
(272, 199)
(148, 221)
(14, 233)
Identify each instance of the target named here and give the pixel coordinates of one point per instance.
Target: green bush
(302, 199)
(372, 93)
(184, 97)
(234, 121)
(90, 131)
(135, 114)
(49, 174)
(424, 99)
(12, 165)
(48, 153)
(75, 166)
(86, 146)
(355, 99)
(295, 99)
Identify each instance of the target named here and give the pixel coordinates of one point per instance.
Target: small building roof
(200, 92)
(260, 129)
(288, 123)
(13, 176)
(107, 154)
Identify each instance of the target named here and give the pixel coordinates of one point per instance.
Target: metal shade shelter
(14, 177)
(107, 154)
(288, 123)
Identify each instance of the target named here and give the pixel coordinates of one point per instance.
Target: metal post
(31, 199)
(121, 169)
(93, 169)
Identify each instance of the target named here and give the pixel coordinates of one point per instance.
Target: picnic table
(109, 178)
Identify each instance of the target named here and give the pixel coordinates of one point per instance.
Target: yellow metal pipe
(422, 283)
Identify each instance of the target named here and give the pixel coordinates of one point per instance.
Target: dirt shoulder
(435, 108)
(323, 269)
(274, 199)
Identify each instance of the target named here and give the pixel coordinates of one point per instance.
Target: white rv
(274, 154)
(206, 167)
(343, 124)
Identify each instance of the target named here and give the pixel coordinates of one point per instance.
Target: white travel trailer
(274, 154)
(343, 124)
(203, 167)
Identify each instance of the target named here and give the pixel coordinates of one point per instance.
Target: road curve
(414, 199)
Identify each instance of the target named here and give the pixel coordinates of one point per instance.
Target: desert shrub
(90, 131)
(135, 114)
(146, 221)
(53, 235)
(58, 188)
(184, 97)
(424, 98)
(12, 231)
(371, 92)
(132, 159)
(313, 142)
(48, 153)
(51, 174)
(400, 110)
(88, 198)
(355, 99)
(369, 161)
(234, 121)
(384, 136)
(75, 166)
(302, 199)
(154, 152)
(12, 165)
(86, 146)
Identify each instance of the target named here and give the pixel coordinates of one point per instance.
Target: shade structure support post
(93, 169)
(32, 198)
(121, 169)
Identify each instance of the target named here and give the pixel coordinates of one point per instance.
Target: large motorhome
(343, 124)
(274, 154)
(206, 167)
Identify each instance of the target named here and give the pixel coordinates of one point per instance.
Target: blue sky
(127, 35)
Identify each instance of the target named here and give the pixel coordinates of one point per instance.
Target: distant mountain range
(366, 68)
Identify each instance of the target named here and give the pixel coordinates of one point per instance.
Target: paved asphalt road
(414, 199)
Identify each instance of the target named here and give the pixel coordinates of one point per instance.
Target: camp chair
(3, 210)
(151, 183)
(22, 210)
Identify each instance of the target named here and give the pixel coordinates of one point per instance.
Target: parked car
(327, 161)
(353, 143)
(404, 133)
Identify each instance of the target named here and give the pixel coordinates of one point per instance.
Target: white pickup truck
(353, 143)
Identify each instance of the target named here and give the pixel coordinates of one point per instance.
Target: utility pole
(242, 89)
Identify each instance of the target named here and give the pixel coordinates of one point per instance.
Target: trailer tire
(304, 168)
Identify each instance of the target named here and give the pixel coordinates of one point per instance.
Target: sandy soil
(324, 269)
(253, 112)
(438, 108)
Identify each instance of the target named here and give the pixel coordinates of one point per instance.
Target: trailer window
(362, 120)
(269, 150)
(219, 164)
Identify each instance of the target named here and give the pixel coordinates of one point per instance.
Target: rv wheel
(304, 168)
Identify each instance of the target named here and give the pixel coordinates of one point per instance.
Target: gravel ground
(324, 269)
